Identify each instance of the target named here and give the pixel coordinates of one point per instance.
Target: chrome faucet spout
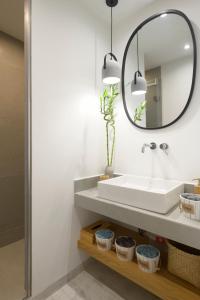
(152, 146)
(144, 147)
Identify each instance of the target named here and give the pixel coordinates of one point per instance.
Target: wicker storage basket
(184, 262)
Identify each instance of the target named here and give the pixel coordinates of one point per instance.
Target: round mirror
(159, 69)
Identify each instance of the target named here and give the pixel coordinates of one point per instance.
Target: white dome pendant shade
(139, 84)
(111, 71)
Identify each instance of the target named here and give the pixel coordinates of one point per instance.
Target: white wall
(183, 137)
(68, 47)
(176, 85)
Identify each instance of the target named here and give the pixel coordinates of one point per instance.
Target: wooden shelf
(162, 284)
(173, 225)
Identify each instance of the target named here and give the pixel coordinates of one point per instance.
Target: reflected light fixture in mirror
(139, 84)
(111, 71)
(187, 47)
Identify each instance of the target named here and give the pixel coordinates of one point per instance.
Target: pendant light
(139, 84)
(111, 71)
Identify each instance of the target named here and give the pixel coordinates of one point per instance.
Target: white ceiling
(12, 18)
(12, 13)
(124, 9)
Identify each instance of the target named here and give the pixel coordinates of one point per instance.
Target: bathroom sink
(154, 194)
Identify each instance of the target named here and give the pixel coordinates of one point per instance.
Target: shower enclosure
(15, 136)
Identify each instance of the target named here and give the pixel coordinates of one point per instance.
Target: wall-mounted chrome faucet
(152, 146)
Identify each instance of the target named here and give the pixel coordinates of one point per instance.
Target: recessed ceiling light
(163, 15)
(187, 46)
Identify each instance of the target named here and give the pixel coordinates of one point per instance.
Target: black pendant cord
(137, 73)
(111, 32)
(138, 59)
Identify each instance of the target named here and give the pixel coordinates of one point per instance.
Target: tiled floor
(12, 271)
(85, 286)
(98, 282)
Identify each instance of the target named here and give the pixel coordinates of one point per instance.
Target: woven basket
(184, 262)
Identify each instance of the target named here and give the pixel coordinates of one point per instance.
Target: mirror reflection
(159, 71)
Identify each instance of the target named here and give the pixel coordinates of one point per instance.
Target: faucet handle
(164, 146)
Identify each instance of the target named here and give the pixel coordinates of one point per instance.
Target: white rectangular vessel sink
(154, 194)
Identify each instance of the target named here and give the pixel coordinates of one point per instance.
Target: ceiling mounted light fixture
(139, 84)
(111, 71)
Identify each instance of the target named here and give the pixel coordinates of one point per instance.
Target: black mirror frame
(168, 11)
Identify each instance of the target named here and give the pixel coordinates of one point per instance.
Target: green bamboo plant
(139, 111)
(107, 105)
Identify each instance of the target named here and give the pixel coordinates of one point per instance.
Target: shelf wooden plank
(162, 284)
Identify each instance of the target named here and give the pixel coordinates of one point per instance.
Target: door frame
(28, 149)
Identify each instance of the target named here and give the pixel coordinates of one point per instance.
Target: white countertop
(172, 225)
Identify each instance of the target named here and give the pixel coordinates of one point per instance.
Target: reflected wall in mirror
(159, 69)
